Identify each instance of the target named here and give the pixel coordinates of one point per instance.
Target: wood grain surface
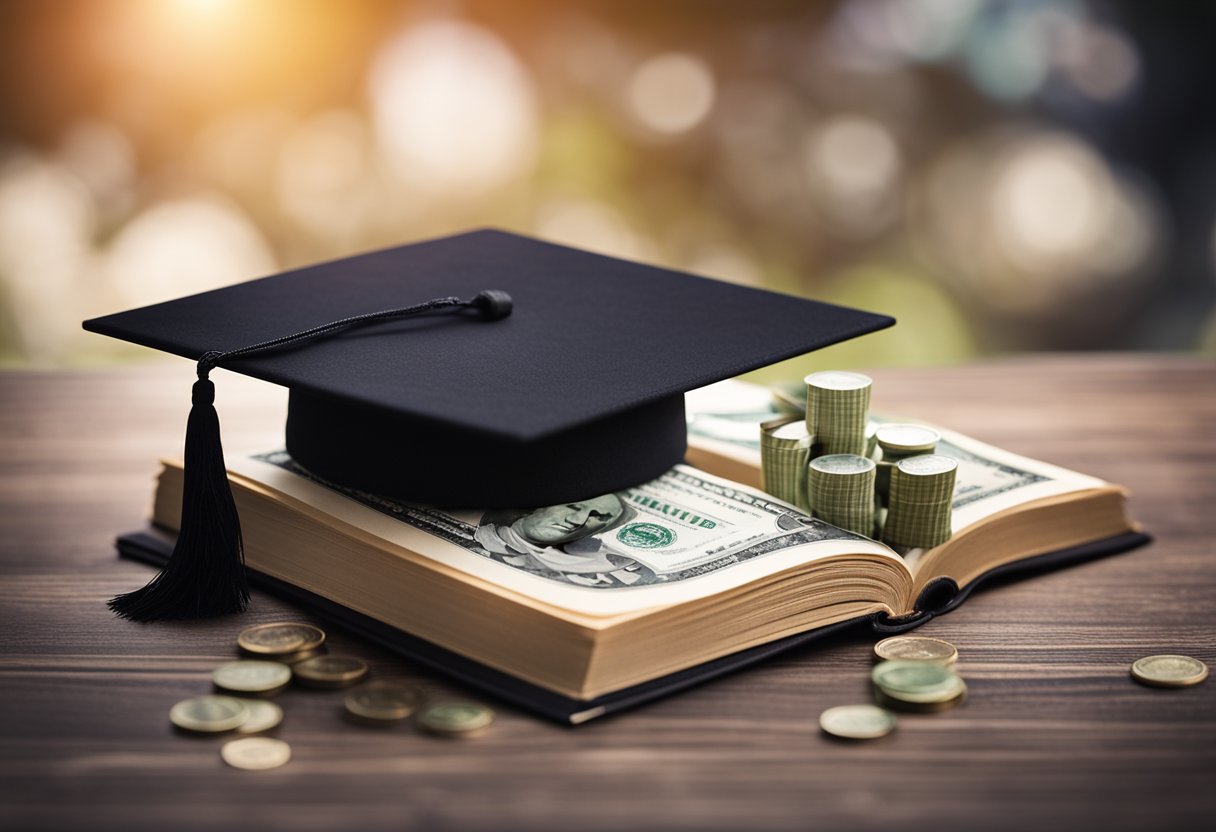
(1054, 734)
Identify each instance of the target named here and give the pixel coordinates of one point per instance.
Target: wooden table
(1054, 734)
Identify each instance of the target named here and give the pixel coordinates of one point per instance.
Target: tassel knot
(203, 392)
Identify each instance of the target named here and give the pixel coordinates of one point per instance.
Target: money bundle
(837, 407)
(921, 493)
(785, 448)
(842, 491)
(896, 442)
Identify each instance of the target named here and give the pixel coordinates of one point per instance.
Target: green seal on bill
(646, 536)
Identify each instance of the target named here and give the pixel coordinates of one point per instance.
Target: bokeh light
(183, 247)
(453, 108)
(999, 176)
(671, 94)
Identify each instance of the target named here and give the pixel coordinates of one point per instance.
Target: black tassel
(206, 574)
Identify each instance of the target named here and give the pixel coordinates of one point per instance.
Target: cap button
(493, 304)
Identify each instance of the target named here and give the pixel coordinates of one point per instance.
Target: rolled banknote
(842, 491)
(837, 407)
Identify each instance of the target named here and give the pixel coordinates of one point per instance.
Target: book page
(684, 536)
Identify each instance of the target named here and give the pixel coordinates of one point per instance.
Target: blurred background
(1000, 176)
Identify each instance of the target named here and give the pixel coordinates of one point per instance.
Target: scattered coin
(330, 671)
(917, 682)
(209, 714)
(916, 649)
(249, 676)
(263, 716)
(281, 638)
(857, 722)
(456, 719)
(383, 703)
(1169, 671)
(256, 753)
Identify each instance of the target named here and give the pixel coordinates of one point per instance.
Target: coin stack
(922, 686)
(842, 492)
(785, 448)
(914, 674)
(896, 442)
(282, 641)
(921, 495)
(837, 408)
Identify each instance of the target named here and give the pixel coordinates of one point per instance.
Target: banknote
(681, 526)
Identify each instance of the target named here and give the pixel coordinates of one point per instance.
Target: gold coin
(1169, 671)
(263, 716)
(916, 649)
(456, 719)
(256, 753)
(281, 638)
(248, 676)
(330, 671)
(209, 714)
(857, 722)
(383, 702)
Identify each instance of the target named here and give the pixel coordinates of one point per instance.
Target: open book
(580, 609)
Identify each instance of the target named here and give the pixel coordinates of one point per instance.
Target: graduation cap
(484, 370)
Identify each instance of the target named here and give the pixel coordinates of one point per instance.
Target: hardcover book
(588, 607)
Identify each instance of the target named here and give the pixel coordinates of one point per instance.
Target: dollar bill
(681, 526)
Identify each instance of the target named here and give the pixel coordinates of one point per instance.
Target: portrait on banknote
(563, 539)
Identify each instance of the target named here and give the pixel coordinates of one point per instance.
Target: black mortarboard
(575, 392)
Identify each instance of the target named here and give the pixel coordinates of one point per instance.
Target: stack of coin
(919, 506)
(283, 641)
(785, 448)
(896, 442)
(837, 407)
(842, 492)
(917, 685)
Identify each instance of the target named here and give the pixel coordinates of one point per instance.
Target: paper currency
(681, 526)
